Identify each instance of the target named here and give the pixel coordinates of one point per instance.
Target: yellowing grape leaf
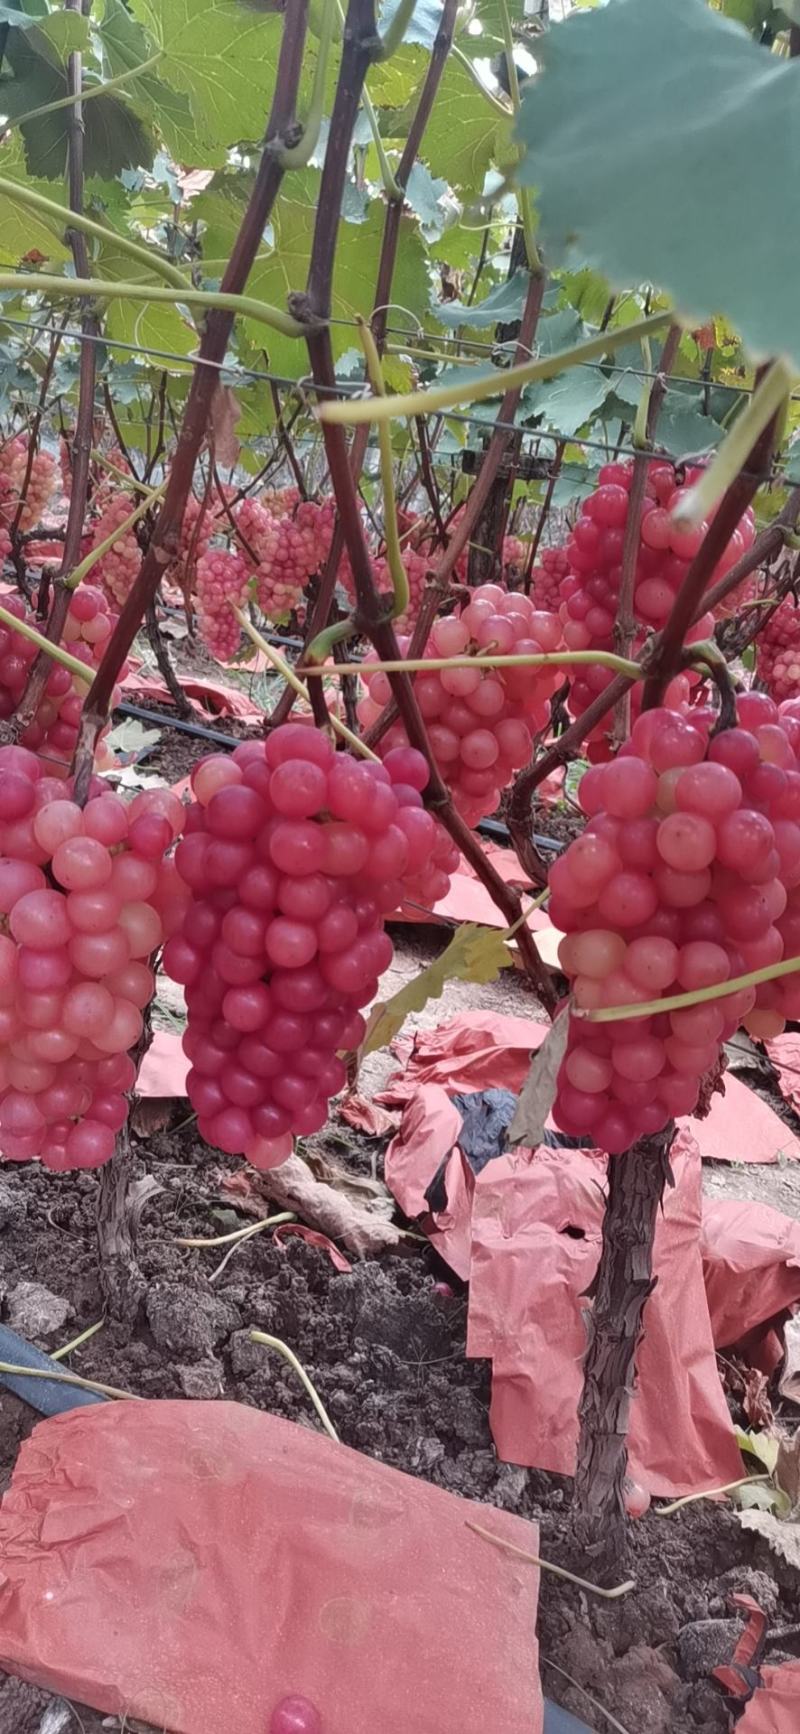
(538, 1092)
(474, 954)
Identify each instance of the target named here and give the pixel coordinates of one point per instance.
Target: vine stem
(621, 1288)
(543, 659)
(437, 399)
(646, 420)
(613, 1014)
(165, 541)
(691, 599)
(370, 616)
(81, 449)
(99, 289)
(52, 651)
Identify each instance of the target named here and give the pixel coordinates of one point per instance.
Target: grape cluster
(293, 854)
(53, 732)
(590, 591)
(40, 486)
(221, 578)
(480, 721)
(778, 651)
(117, 570)
(288, 550)
(687, 875)
(547, 578)
(86, 896)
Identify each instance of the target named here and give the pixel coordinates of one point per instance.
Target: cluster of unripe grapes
(480, 721)
(686, 876)
(293, 855)
(778, 651)
(87, 895)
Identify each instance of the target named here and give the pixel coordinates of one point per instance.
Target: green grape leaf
(23, 20)
(220, 55)
(461, 137)
(500, 307)
(149, 324)
(275, 275)
(488, 15)
(425, 195)
(567, 402)
(475, 954)
(115, 138)
(702, 108)
(391, 83)
(126, 46)
(67, 33)
(23, 231)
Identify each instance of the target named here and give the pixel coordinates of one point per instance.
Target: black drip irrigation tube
(494, 829)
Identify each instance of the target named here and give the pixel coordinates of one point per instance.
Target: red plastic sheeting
(784, 1052)
(205, 696)
(191, 1564)
(751, 1263)
(483, 1050)
(775, 1706)
(526, 1233)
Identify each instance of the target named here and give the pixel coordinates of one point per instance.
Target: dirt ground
(385, 1346)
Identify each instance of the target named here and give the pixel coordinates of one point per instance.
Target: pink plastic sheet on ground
(205, 696)
(526, 1233)
(751, 1265)
(190, 1564)
(775, 1706)
(784, 1052)
(483, 1050)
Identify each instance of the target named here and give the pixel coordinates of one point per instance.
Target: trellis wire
(355, 388)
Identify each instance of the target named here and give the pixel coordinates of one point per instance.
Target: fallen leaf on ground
(362, 1226)
(366, 1116)
(789, 1385)
(312, 1237)
(539, 1089)
(780, 1534)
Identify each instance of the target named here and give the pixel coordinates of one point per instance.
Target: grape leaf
(568, 401)
(461, 137)
(21, 229)
(222, 57)
(502, 305)
(423, 24)
(126, 46)
(703, 106)
(115, 138)
(538, 1092)
(277, 274)
(152, 325)
(67, 33)
(475, 954)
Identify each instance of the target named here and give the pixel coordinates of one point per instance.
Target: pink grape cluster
(293, 854)
(778, 651)
(86, 896)
(547, 578)
(480, 721)
(687, 875)
(590, 591)
(288, 549)
(40, 486)
(117, 570)
(221, 578)
(53, 732)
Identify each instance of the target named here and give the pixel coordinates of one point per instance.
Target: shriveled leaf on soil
(361, 1226)
(703, 106)
(781, 1535)
(474, 954)
(539, 1089)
